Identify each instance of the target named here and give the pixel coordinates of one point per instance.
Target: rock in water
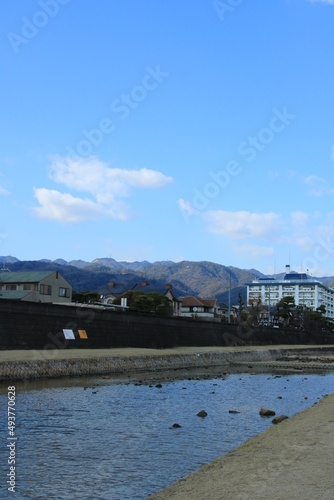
(279, 419)
(264, 412)
(202, 414)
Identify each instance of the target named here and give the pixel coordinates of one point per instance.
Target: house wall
(57, 283)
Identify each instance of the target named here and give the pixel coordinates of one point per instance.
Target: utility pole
(229, 301)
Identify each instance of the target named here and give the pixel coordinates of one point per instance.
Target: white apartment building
(307, 291)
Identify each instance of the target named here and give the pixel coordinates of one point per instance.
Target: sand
(32, 354)
(290, 460)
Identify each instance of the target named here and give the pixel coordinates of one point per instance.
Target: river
(114, 439)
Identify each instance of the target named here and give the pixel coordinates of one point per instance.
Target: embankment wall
(25, 325)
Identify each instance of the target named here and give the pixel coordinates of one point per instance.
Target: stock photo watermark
(121, 107)
(57, 341)
(31, 26)
(247, 149)
(11, 438)
(225, 7)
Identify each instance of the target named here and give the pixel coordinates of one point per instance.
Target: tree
(152, 302)
(242, 314)
(284, 308)
(254, 310)
(85, 297)
(316, 321)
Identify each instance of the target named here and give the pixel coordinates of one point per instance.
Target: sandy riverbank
(32, 355)
(294, 459)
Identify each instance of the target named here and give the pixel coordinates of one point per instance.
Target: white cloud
(3, 191)
(242, 225)
(299, 218)
(94, 176)
(63, 207)
(90, 175)
(318, 186)
(305, 231)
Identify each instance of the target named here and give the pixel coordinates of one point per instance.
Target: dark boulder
(265, 412)
(279, 419)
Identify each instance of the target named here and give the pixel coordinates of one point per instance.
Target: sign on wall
(68, 334)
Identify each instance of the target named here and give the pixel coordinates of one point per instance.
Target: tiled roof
(191, 301)
(208, 302)
(140, 287)
(14, 294)
(24, 276)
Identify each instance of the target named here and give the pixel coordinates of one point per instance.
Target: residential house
(201, 308)
(35, 286)
(144, 287)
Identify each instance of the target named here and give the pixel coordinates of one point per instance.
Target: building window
(45, 289)
(10, 287)
(64, 292)
(29, 286)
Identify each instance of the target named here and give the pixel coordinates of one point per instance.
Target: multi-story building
(35, 286)
(307, 291)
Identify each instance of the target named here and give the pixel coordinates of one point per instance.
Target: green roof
(14, 294)
(24, 276)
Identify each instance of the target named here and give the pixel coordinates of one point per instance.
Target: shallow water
(112, 440)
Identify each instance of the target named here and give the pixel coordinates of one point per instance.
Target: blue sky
(169, 130)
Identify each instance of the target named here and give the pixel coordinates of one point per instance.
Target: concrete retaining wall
(55, 368)
(26, 325)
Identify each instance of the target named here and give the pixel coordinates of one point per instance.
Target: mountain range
(202, 279)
